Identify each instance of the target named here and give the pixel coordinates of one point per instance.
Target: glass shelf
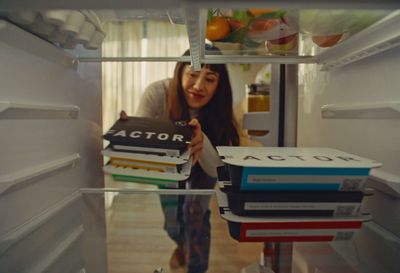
(279, 36)
(329, 37)
(143, 33)
(283, 32)
(135, 239)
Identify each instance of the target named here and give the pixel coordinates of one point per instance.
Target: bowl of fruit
(253, 30)
(326, 27)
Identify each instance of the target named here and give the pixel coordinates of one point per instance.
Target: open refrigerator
(53, 199)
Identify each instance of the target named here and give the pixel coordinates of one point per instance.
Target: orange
(217, 28)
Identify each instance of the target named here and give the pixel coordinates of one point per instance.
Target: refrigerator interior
(351, 109)
(56, 215)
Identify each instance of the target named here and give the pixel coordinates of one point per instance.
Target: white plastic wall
(41, 226)
(374, 134)
(375, 79)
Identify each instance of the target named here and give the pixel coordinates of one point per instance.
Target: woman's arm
(203, 151)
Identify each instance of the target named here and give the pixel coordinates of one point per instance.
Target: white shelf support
(25, 41)
(195, 23)
(378, 110)
(384, 181)
(381, 36)
(22, 177)
(23, 110)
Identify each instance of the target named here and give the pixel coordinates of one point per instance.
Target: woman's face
(199, 86)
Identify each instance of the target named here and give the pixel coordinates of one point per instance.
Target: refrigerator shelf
(358, 39)
(170, 4)
(377, 110)
(25, 41)
(15, 235)
(69, 243)
(217, 59)
(188, 192)
(386, 182)
(382, 35)
(27, 110)
(25, 175)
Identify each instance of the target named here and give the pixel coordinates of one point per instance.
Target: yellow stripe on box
(142, 161)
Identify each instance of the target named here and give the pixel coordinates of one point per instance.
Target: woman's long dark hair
(216, 117)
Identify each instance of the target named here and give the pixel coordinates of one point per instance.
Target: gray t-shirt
(154, 104)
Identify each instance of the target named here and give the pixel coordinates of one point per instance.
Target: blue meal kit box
(292, 168)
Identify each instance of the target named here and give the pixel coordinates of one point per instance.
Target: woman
(205, 98)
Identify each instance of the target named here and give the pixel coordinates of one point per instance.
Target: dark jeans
(187, 222)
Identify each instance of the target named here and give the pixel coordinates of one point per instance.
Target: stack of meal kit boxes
(150, 151)
(287, 194)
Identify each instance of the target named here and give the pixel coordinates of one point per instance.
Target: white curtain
(119, 79)
(124, 82)
(164, 40)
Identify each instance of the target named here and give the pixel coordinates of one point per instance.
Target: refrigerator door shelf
(26, 110)
(25, 175)
(378, 110)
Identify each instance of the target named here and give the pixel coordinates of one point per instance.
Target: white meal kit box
(292, 168)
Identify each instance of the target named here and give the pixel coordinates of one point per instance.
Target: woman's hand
(196, 144)
(123, 115)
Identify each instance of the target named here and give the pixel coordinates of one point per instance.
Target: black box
(289, 229)
(150, 135)
(293, 203)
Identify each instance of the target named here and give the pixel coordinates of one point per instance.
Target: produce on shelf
(276, 31)
(328, 27)
(282, 45)
(248, 28)
(326, 40)
(261, 29)
(279, 37)
(256, 12)
(217, 28)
